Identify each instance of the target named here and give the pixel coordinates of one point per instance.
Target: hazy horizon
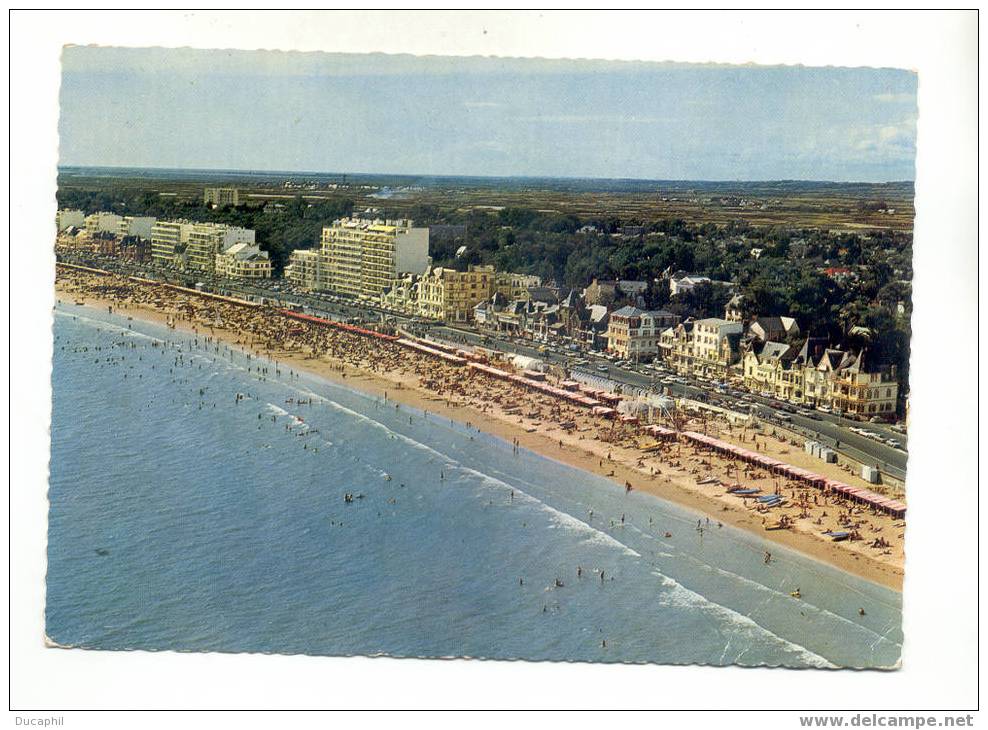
(267, 112)
(427, 175)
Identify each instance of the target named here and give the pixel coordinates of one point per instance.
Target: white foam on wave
(679, 596)
(558, 518)
(774, 593)
(598, 537)
(381, 427)
(300, 426)
(115, 327)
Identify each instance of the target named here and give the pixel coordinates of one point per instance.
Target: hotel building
(194, 245)
(139, 226)
(243, 261)
(302, 270)
(361, 258)
(102, 223)
(451, 295)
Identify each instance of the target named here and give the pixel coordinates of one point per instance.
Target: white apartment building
(139, 226)
(68, 218)
(361, 258)
(168, 241)
(302, 269)
(243, 261)
(190, 245)
(102, 223)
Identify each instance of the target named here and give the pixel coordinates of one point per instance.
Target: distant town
(386, 266)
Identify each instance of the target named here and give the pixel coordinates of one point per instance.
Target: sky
(375, 113)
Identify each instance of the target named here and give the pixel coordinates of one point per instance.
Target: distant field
(835, 206)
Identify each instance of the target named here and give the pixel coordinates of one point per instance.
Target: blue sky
(266, 110)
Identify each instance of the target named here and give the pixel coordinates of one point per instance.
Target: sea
(202, 499)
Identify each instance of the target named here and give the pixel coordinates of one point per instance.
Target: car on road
(893, 443)
(823, 409)
(603, 368)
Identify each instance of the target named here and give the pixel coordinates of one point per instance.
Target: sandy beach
(673, 471)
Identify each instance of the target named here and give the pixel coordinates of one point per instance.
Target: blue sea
(196, 505)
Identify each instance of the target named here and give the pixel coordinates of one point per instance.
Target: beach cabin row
(432, 352)
(343, 326)
(856, 494)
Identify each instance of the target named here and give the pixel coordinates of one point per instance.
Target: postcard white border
(940, 596)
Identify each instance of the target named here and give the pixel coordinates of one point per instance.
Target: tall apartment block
(139, 226)
(188, 245)
(361, 258)
(67, 218)
(303, 269)
(221, 196)
(102, 222)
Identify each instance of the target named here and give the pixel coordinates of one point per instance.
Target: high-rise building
(68, 218)
(102, 223)
(169, 240)
(361, 258)
(219, 197)
(139, 226)
(302, 270)
(190, 245)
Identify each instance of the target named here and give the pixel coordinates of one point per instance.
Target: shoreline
(589, 455)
